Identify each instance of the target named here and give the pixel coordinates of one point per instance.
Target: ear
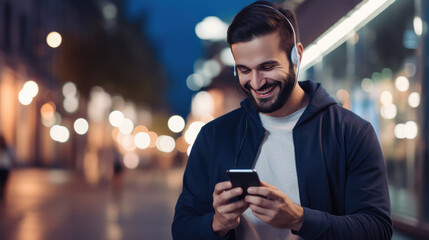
(300, 48)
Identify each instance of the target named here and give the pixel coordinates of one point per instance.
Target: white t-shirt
(276, 166)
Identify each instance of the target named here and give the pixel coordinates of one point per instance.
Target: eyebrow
(259, 65)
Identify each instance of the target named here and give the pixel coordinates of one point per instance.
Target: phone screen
(243, 178)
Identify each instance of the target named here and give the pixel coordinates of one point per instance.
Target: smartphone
(243, 178)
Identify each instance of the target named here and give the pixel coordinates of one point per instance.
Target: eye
(267, 67)
(244, 70)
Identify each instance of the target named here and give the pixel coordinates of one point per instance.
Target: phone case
(243, 178)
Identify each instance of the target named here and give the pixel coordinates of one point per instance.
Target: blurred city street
(44, 204)
(101, 102)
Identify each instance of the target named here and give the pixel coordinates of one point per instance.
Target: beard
(274, 103)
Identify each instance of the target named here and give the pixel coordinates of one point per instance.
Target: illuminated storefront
(377, 70)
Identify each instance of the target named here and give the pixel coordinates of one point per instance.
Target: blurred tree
(114, 54)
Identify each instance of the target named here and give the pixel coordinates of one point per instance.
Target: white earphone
(295, 58)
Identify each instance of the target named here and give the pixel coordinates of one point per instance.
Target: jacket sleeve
(194, 209)
(367, 203)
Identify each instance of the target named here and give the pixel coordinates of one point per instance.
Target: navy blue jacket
(341, 172)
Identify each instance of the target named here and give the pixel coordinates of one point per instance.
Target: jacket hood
(319, 100)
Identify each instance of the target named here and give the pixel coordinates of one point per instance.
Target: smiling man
(267, 76)
(322, 170)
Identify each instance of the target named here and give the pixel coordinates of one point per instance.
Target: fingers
(260, 201)
(234, 208)
(222, 195)
(222, 186)
(264, 196)
(227, 214)
(267, 192)
(260, 211)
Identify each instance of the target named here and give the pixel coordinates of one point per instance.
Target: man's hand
(273, 207)
(227, 215)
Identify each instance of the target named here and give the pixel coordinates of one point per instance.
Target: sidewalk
(58, 204)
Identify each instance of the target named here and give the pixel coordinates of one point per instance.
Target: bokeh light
(176, 123)
(116, 118)
(127, 126)
(69, 89)
(210, 69)
(142, 140)
(388, 111)
(211, 28)
(202, 104)
(59, 133)
(386, 98)
(192, 132)
(367, 84)
(131, 160)
(408, 130)
(226, 57)
(414, 99)
(28, 92)
(165, 143)
(418, 25)
(47, 110)
(50, 120)
(195, 82)
(343, 95)
(400, 131)
(24, 99)
(127, 142)
(54, 39)
(71, 104)
(81, 126)
(411, 130)
(31, 88)
(402, 83)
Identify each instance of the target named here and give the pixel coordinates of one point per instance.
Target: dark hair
(255, 20)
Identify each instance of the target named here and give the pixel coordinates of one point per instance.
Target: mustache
(265, 86)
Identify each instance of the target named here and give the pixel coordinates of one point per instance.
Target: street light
(54, 39)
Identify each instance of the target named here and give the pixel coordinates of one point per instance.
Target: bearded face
(275, 101)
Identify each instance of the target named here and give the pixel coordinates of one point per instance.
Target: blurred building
(371, 56)
(65, 66)
(25, 57)
(373, 60)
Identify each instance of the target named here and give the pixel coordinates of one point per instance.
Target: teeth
(267, 90)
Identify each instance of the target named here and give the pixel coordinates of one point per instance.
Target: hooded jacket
(340, 168)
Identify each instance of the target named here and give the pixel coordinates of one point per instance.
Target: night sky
(170, 25)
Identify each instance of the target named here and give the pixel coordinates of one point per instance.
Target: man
(322, 170)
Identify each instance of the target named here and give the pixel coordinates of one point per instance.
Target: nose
(256, 80)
